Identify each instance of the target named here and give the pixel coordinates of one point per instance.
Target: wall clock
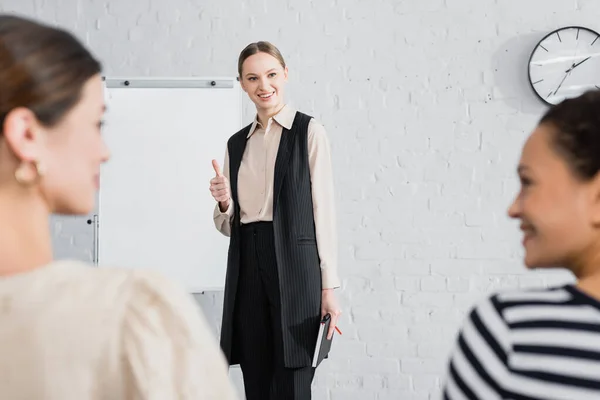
(565, 63)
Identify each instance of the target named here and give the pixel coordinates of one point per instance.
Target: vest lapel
(286, 145)
(236, 152)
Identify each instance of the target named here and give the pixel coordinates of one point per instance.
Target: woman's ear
(21, 134)
(595, 200)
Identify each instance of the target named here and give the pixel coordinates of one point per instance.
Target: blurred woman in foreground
(68, 331)
(545, 343)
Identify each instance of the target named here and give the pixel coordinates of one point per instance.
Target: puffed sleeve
(169, 351)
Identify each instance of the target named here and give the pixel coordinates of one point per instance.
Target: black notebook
(323, 344)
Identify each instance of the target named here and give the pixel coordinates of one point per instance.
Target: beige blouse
(72, 331)
(255, 185)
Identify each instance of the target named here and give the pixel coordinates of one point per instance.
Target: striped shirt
(528, 345)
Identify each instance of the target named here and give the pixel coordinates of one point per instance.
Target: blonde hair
(259, 47)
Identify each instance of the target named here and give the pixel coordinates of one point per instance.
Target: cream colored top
(72, 331)
(256, 179)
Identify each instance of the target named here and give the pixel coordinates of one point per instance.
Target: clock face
(565, 64)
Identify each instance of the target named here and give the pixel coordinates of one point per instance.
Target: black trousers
(257, 333)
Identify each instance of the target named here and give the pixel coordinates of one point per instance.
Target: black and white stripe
(528, 345)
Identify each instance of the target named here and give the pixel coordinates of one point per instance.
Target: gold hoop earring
(25, 176)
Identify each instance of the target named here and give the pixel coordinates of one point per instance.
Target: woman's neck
(25, 241)
(587, 271)
(264, 114)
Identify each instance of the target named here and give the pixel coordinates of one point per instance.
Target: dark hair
(259, 47)
(575, 127)
(42, 68)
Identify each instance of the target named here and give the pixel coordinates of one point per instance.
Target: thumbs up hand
(216, 167)
(219, 187)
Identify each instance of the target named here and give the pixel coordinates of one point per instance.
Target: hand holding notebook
(323, 344)
(329, 305)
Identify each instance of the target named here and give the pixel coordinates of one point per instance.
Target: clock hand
(563, 80)
(579, 63)
(568, 72)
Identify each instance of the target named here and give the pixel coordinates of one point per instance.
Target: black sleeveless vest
(298, 263)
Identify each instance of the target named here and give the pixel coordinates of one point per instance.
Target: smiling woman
(262, 58)
(545, 343)
(275, 200)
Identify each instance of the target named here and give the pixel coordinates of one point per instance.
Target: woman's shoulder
(86, 295)
(547, 296)
(502, 306)
(242, 133)
(110, 284)
(314, 121)
(147, 283)
(316, 130)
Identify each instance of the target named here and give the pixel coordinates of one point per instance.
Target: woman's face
(70, 152)
(559, 212)
(263, 79)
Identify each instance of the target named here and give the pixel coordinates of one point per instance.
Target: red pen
(338, 329)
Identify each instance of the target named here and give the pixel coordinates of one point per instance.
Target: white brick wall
(426, 104)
